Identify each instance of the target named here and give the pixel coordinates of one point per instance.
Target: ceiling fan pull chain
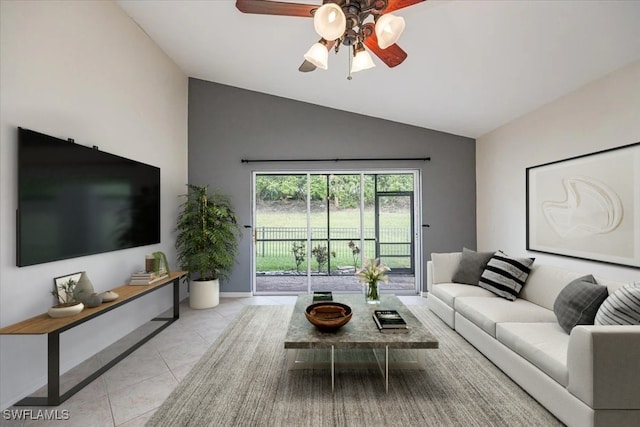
(349, 77)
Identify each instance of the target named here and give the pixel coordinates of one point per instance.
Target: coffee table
(307, 346)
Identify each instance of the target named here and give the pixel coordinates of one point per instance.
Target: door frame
(416, 218)
(411, 196)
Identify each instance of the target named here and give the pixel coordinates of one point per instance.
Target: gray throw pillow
(621, 308)
(578, 302)
(471, 266)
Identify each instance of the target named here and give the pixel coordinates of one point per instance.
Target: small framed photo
(61, 285)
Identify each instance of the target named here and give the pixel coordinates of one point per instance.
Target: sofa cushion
(448, 292)
(621, 307)
(505, 276)
(486, 312)
(578, 302)
(545, 283)
(444, 265)
(471, 266)
(544, 345)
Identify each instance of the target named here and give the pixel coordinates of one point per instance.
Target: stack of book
(390, 321)
(322, 296)
(144, 278)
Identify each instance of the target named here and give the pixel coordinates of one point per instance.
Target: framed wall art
(587, 206)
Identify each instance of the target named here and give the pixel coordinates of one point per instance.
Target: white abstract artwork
(587, 207)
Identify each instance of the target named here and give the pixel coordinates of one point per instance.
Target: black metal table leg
(176, 298)
(53, 364)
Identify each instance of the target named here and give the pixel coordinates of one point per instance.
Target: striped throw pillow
(621, 307)
(505, 276)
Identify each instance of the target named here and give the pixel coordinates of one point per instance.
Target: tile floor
(128, 394)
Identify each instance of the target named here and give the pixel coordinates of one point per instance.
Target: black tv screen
(75, 200)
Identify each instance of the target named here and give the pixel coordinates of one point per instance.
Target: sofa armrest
(603, 366)
(429, 276)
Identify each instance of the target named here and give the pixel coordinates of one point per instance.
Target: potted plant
(207, 243)
(372, 272)
(66, 296)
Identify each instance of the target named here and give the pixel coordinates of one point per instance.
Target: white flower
(373, 272)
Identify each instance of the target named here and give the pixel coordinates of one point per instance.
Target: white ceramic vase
(204, 294)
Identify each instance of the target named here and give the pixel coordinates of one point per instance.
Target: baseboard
(235, 294)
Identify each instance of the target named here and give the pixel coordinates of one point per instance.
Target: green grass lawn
(338, 218)
(277, 256)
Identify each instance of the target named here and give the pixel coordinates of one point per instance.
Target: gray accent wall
(227, 124)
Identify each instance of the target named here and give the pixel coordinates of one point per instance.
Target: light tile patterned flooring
(128, 394)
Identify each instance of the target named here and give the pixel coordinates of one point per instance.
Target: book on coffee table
(389, 321)
(322, 296)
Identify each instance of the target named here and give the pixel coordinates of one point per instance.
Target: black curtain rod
(423, 159)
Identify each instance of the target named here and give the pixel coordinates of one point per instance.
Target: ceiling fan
(351, 23)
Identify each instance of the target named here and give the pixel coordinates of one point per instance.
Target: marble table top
(361, 331)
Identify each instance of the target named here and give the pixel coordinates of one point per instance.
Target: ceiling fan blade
(265, 7)
(306, 67)
(399, 4)
(392, 56)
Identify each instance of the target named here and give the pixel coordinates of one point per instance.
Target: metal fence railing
(277, 241)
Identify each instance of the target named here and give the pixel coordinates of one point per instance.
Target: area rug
(243, 380)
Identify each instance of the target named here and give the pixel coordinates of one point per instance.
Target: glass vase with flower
(371, 273)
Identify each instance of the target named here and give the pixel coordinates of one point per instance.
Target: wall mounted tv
(75, 200)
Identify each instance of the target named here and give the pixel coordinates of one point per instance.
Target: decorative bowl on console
(65, 309)
(109, 296)
(328, 316)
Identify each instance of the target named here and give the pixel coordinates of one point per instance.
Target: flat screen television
(75, 200)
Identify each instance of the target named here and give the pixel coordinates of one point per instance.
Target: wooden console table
(43, 324)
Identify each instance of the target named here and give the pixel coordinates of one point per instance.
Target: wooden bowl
(328, 316)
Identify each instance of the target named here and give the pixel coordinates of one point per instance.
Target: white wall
(83, 70)
(601, 115)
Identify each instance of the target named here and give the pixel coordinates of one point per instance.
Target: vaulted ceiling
(472, 66)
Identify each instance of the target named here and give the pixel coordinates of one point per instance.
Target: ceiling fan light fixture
(318, 55)
(361, 59)
(329, 21)
(389, 28)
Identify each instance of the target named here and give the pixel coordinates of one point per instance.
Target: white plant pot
(57, 312)
(204, 294)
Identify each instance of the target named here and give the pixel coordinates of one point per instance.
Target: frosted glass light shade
(388, 30)
(362, 61)
(329, 21)
(318, 55)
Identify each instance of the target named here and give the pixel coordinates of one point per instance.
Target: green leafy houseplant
(67, 299)
(208, 234)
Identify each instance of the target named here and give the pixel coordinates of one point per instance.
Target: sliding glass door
(313, 230)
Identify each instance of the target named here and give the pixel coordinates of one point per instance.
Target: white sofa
(588, 378)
